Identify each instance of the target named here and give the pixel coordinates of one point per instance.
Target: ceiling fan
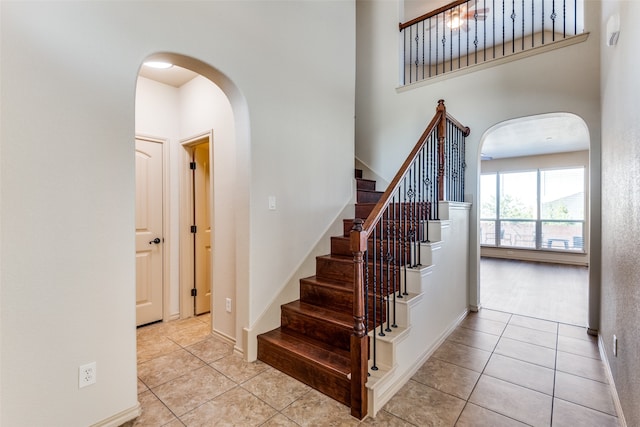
(458, 17)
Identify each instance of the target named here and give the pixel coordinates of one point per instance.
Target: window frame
(541, 243)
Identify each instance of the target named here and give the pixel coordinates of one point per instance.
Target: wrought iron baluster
(513, 26)
(436, 39)
(564, 19)
(459, 48)
(404, 58)
(408, 65)
(484, 28)
(430, 47)
(417, 61)
(475, 29)
(575, 17)
(423, 191)
(389, 260)
(411, 234)
(450, 44)
(542, 22)
(396, 255)
(467, 18)
(423, 43)
(416, 198)
(533, 23)
(365, 266)
(553, 20)
(493, 23)
(503, 24)
(406, 233)
(381, 279)
(401, 232)
(444, 43)
(523, 25)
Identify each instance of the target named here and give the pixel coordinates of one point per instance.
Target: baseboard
(475, 308)
(224, 337)
(612, 385)
(121, 417)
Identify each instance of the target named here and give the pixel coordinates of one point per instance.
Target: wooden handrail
(432, 13)
(375, 215)
(466, 129)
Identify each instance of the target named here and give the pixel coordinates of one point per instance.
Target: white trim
(185, 236)
(495, 62)
(120, 418)
(612, 385)
(166, 221)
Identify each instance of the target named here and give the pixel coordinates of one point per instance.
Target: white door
(149, 239)
(202, 215)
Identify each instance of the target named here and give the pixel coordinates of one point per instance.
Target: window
(541, 209)
(562, 208)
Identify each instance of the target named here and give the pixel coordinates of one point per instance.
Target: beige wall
(68, 79)
(621, 205)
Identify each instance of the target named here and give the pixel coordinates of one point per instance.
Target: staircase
(312, 344)
(366, 321)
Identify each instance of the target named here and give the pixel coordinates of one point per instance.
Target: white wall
(68, 81)
(389, 121)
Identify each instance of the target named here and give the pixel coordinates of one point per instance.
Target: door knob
(155, 241)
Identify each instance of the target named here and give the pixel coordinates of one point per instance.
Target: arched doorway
(534, 207)
(207, 103)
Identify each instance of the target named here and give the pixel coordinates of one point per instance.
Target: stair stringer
(436, 304)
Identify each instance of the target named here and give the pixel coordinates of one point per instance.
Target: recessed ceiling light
(158, 64)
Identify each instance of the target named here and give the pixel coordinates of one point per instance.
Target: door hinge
(192, 166)
(194, 229)
(194, 292)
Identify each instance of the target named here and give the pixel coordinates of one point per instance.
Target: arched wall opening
(210, 104)
(549, 141)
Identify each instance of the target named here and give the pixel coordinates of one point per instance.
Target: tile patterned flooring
(495, 369)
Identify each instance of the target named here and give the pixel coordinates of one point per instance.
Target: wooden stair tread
(322, 313)
(337, 257)
(328, 283)
(332, 358)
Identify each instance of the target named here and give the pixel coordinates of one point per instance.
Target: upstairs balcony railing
(388, 241)
(470, 32)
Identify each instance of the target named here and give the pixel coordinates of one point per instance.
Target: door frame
(186, 220)
(166, 211)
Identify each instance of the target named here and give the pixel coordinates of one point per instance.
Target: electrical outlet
(615, 346)
(228, 305)
(87, 374)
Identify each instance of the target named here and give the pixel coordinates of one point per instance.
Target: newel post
(359, 341)
(442, 131)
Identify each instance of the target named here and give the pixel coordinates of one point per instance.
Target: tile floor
(495, 369)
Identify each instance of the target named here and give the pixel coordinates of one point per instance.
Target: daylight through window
(540, 209)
